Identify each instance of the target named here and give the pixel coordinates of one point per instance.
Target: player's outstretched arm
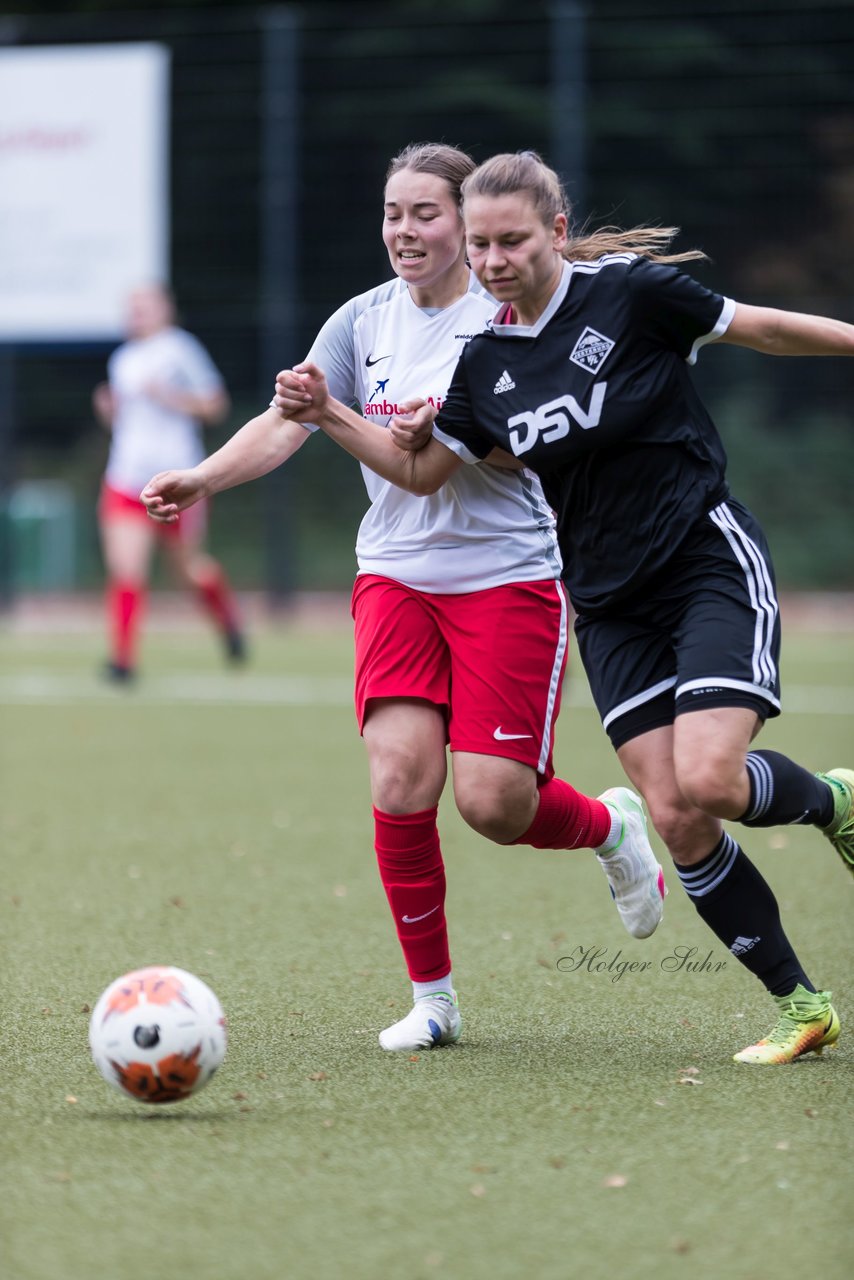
(788, 333)
(260, 446)
(302, 393)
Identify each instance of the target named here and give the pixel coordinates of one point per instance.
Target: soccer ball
(157, 1034)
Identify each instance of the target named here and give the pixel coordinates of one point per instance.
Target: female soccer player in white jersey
(460, 616)
(584, 377)
(162, 385)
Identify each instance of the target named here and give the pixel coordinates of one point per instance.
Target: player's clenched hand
(413, 426)
(169, 492)
(301, 392)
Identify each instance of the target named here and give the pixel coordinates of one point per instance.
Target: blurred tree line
(734, 121)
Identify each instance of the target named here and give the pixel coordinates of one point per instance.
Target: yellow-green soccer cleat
(808, 1023)
(840, 831)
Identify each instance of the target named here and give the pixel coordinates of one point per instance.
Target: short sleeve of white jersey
(334, 351)
(675, 309)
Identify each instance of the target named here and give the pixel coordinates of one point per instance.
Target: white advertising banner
(84, 199)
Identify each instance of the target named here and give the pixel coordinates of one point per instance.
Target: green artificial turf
(588, 1124)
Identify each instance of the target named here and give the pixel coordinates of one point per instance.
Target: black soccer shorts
(706, 633)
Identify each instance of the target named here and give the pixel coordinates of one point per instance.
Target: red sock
(215, 595)
(413, 876)
(566, 819)
(125, 601)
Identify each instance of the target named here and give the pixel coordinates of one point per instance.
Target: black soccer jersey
(596, 398)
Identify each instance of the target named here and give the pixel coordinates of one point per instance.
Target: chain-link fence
(734, 121)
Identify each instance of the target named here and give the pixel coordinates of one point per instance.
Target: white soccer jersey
(487, 526)
(147, 437)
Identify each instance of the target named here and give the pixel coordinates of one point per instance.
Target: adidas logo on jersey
(504, 383)
(591, 350)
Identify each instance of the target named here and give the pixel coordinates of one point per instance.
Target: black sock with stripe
(738, 906)
(783, 793)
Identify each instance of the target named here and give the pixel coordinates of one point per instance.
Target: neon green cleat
(808, 1023)
(840, 832)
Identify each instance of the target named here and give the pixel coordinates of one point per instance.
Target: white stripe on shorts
(638, 700)
(726, 682)
(554, 683)
(759, 588)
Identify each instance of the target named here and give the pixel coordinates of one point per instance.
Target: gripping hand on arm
(302, 394)
(413, 428)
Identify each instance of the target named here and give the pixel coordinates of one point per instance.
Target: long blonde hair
(527, 172)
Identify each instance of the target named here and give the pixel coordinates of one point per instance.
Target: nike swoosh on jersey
(369, 363)
(505, 737)
(415, 919)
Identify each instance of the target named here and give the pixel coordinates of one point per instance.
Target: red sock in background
(125, 602)
(215, 595)
(566, 819)
(413, 876)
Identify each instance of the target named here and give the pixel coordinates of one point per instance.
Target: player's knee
(709, 786)
(679, 824)
(500, 814)
(668, 818)
(501, 827)
(400, 784)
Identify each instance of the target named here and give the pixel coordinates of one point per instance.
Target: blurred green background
(734, 121)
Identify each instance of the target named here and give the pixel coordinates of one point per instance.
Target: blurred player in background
(461, 620)
(584, 376)
(162, 389)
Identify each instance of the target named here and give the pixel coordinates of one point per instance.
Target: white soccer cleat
(635, 876)
(433, 1021)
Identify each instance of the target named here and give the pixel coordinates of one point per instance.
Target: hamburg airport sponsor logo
(374, 408)
(382, 383)
(591, 350)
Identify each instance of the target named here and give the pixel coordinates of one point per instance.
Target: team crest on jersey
(591, 350)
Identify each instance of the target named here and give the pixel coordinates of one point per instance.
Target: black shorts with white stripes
(705, 634)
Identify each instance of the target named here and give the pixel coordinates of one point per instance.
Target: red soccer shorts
(492, 660)
(114, 504)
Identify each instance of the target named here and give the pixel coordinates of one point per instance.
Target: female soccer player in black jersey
(584, 379)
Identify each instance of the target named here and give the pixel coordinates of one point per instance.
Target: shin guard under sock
(409, 857)
(738, 906)
(782, 792)
(567, 819)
